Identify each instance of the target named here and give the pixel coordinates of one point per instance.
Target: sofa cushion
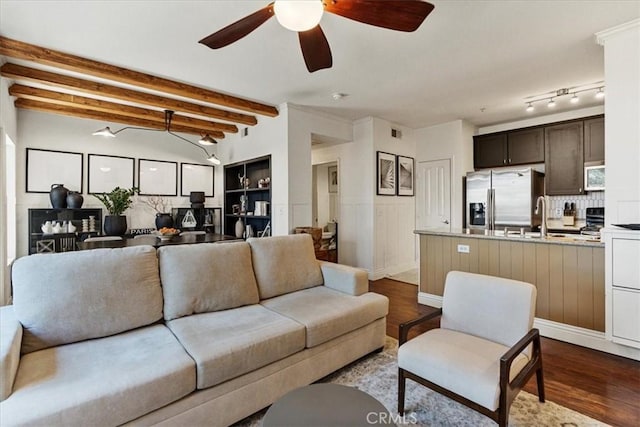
(227, 344)
(101, 382)
(476, 360)
(206, 277)
(327, 313)
(10, 341)
(68, 297)
(284, 264)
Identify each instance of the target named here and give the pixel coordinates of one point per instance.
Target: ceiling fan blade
(400, 15)
(238, 29)
(315, 49)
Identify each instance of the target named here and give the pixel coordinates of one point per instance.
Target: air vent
(396, 133)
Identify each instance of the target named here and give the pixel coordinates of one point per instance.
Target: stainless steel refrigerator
(497, 199)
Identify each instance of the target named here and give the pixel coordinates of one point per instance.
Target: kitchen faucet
(543, 227)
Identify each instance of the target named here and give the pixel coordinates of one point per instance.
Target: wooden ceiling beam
(41, 55)
(36, 94)
(20, 72)
(64, 110)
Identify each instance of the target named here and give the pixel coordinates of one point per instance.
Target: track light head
(529, 108)
(105, 132)
(207, 140)
(551, 103)
(600, 93)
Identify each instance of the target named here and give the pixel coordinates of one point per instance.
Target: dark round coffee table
(326, 405)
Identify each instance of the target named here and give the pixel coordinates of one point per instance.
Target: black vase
(74, 200)
(58, 196)
(164, 220)
(115, 225)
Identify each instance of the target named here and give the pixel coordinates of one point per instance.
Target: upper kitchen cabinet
(489, 151)
(594, 140)
(524, 146)
(564, 159)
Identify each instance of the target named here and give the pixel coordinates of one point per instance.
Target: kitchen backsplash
(555, 204)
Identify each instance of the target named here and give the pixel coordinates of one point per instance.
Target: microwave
(594, 178)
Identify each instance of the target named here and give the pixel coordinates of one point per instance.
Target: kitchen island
(568, 272)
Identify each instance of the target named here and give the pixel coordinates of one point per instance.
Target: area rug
(409, 276)
(377, 375)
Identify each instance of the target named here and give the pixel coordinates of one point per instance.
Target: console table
(155, 241)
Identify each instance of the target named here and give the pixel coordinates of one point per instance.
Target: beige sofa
(186, 335)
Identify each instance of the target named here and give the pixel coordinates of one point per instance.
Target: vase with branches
(117, 201)
(162, 207)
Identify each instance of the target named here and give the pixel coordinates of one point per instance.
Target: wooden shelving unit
(234, 190)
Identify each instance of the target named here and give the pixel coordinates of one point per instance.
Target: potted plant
(116, 202)
(162, 207)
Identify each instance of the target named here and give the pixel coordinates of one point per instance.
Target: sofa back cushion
(284, 264)
(206, 277)
(68, 297)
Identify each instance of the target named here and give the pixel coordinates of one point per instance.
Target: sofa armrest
(10, 342)
(343, 278)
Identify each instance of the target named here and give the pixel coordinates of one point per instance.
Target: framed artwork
(385, 174)
(109, 172)
(333, 179)
(194, 177)
(157, 178)
(405, 165)
(47, 167)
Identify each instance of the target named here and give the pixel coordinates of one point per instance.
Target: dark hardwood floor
(597, 384)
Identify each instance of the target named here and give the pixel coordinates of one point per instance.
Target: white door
(433, 201)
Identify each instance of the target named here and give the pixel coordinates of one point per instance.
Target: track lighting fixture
(550, 97)
(168, 115)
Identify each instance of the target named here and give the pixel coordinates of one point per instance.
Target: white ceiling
(467, 56)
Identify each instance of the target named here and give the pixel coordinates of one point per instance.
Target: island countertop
(513, 235)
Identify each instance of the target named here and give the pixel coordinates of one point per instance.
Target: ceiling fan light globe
(298, 15)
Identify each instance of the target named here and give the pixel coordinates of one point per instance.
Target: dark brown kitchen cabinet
(525, 146)
(594, 140)
(564, 159)
(519, 147)
(489, 150)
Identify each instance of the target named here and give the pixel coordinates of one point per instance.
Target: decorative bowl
(168, 233)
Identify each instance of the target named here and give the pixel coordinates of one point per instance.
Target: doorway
(433, 188)
(326, 194)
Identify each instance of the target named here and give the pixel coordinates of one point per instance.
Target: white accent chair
(485, 349)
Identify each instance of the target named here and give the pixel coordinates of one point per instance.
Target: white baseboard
(390, 271)
(562, 332)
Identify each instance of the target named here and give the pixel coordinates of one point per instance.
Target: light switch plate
(463, 249)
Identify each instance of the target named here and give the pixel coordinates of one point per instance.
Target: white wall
(268, 137)
(452, 140)
(8, 127)
(541, 120)
(49, 131)
(394, 216)
(622, 126)
(325, 202)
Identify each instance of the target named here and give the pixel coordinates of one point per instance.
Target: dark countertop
(156, 242)
(576, 240)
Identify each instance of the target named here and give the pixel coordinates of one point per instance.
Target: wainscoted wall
(396, 251)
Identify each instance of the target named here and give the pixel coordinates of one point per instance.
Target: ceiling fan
(304, 17)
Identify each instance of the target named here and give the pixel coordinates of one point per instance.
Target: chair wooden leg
(401, 385)
(540, 380)
(503, 417)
